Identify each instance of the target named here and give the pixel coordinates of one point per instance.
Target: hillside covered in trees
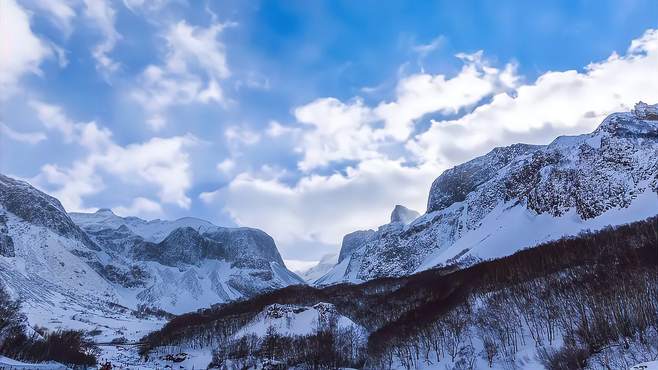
(589, 301)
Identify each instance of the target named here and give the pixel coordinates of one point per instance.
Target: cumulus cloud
(193, 66)
(160, 162)
(557, 103)
(226, 166)
(353, 131)
(140, 207)
(322, 208)
(338, 131)
(21, 51)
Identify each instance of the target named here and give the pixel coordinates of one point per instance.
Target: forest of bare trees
(590, 300)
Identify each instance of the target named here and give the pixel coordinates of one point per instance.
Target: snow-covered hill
(291, 320)
(98, 270)
(516, 197)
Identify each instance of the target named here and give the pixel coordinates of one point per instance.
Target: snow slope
(516, 197)
(326, 263)
(652, 365)
(7, 363)
(289, 320)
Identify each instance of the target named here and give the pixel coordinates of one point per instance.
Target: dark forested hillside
(574, 301)
(18, 341)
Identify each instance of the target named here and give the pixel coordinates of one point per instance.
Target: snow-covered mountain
(326, 263)
(516, 197)
(78, 270)
(185, 264)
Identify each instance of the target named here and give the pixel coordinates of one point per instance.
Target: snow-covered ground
(289, 320)
(8, 364)
(652, 365)
(126, 357)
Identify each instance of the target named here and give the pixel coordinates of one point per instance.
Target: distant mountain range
(76, 269)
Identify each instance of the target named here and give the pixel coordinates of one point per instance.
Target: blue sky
(308, 119)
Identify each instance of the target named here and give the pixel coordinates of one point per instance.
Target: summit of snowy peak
(38, 208)
(646, 111)
(153, 231)
(105, 211)
(403, 215)
(641, 122)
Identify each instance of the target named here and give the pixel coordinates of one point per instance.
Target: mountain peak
(105, 211)
(646, 111)
(403, 214)
(515, 197)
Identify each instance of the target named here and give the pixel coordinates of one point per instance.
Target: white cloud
(338, 131)
(60, 13)
(226, 166)
(241, 135)
(299, 266)
(159, 162)
(275, 129)
(24, 137)
(140, 207)
(102, 16)
(21, 50)
(194, 64)
(423, 49)
(321, 209)
(353, 131)
(420, 94)
(144, 5)
(71, 184)
(54, 118)
(209, 197)
(557, 103)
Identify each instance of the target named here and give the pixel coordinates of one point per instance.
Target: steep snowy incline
(516, 197)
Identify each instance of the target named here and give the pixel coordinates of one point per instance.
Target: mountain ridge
(74, 270)
(518, 196)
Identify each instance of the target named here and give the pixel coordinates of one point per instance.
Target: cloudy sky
(307, 119)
